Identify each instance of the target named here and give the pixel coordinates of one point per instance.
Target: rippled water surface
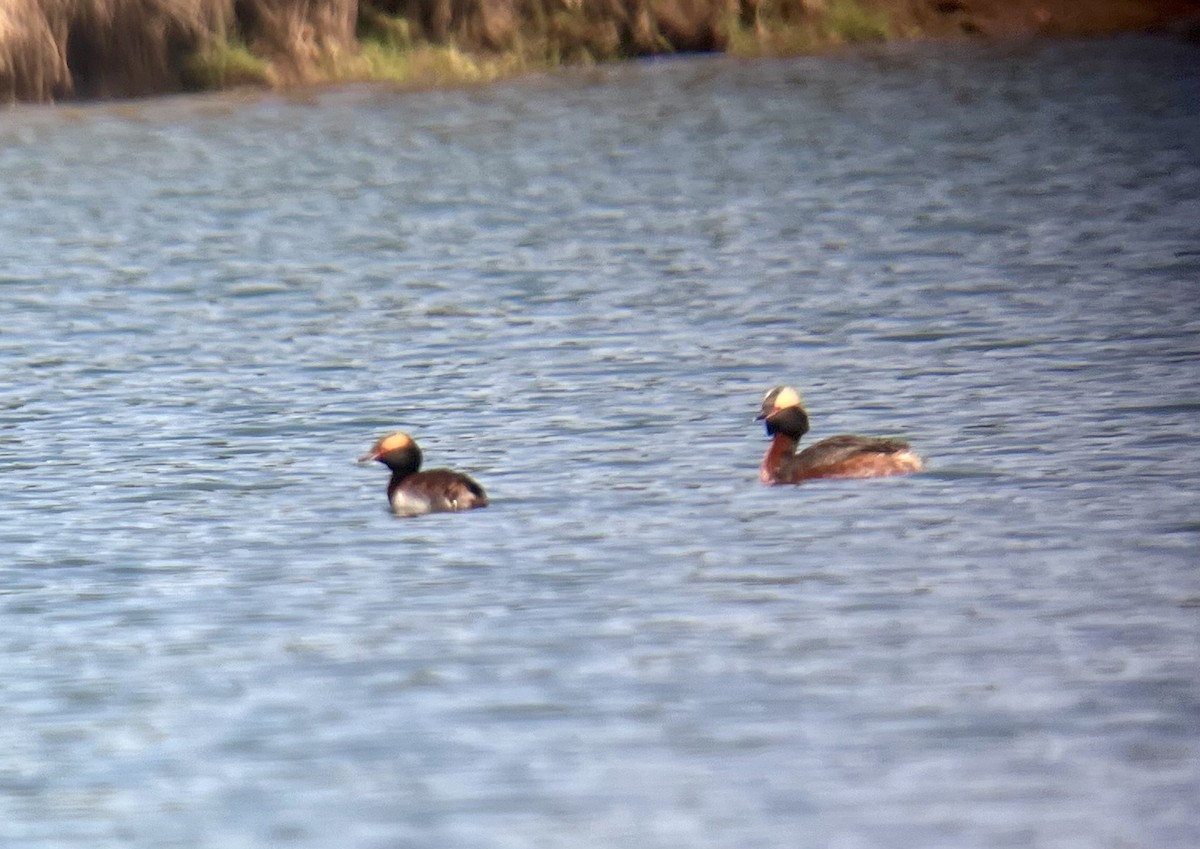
(577, 288)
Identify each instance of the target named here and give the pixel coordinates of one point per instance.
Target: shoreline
(59, 51)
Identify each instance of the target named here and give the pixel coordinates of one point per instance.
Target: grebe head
(783, 412)
(398, 451)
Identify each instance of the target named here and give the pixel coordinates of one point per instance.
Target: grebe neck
(398, 477)
(783, 448)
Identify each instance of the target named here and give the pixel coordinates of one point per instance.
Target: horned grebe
(414, 493)
(836, 457)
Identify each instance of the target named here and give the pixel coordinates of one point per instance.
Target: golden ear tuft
(393, 442)
(787, 397)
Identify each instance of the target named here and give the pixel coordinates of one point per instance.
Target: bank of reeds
(53, 49)
(56, 49)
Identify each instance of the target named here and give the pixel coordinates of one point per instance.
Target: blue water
(577, 288)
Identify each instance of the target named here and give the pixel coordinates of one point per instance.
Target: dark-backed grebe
(412, 492)
(835, 457)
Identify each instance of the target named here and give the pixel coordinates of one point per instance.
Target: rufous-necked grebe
(836, 457)
(412, 492)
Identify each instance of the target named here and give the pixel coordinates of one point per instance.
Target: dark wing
(837, 450)
(450, 490)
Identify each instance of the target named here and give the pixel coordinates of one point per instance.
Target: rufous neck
(782, 449)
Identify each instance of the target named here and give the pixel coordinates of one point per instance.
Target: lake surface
(577, 288)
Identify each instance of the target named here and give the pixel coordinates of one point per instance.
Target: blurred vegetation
(58, 49)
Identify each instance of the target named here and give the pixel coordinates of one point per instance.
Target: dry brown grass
(1009, 18)
(571, 30)
(32, 64)
(297, 36)
(52, 49)
(132, 47)
(100, 48)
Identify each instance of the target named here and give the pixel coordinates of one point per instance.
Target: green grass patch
(389, 52)
(848, 22)
(227, 64)
(779, 28)
(425, 63)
